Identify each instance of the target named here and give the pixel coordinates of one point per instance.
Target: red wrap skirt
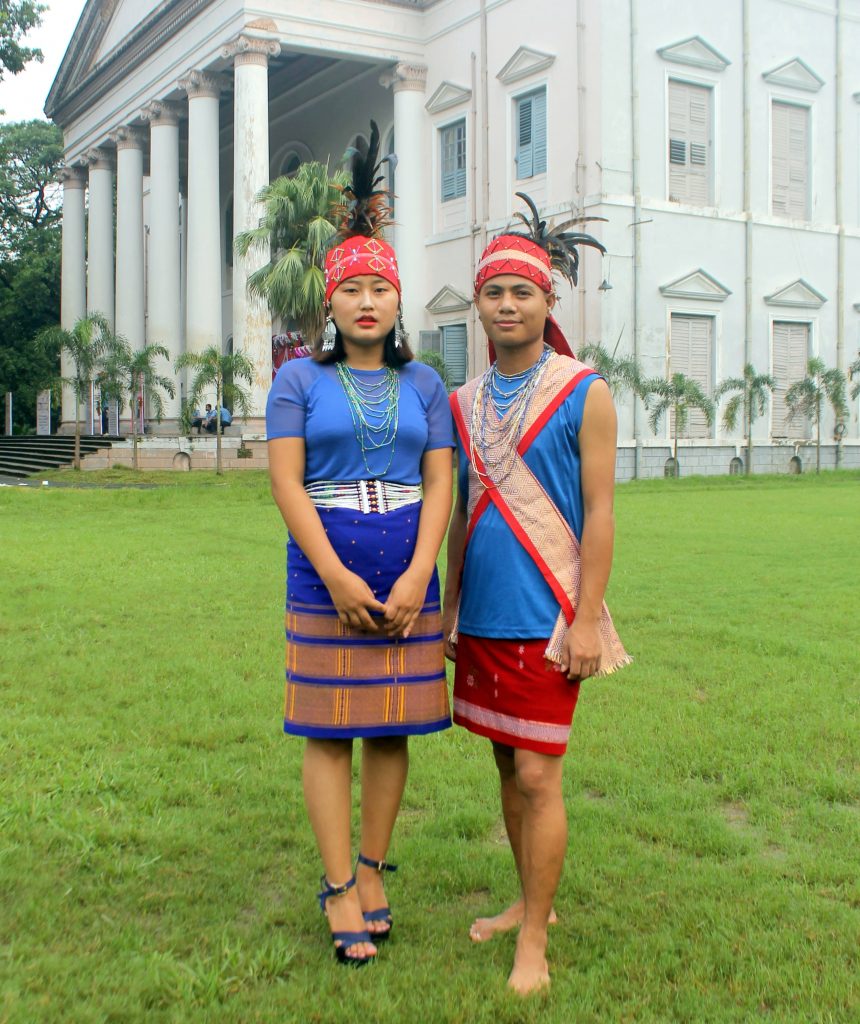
(507, 691)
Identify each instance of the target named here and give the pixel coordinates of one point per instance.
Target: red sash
(529, 511)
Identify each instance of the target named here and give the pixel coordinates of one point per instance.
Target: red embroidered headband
(360, 255)
(512, 254)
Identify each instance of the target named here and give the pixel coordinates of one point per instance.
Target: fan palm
(750, 400)
(807, 397)
(679, 394)
(621, 373)
(127, 374)
(854, 377)
(88, 341)
(221, 372)
(300, 217)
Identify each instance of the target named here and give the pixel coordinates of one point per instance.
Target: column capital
(126, 137)
(250, 49)
(202, 83)
(99, 159)
(406, 78)
(161, 112)
(72, 176)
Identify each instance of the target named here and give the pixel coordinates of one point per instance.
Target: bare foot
(484, 928)
(372, 896)
(530, 971)
(344, 915)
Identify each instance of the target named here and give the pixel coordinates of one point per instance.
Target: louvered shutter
(455, 352)
(429, 341)
(790, 160)
(460, 157)
(689, 152)
(449, 170)
(691, 353)
(525, 149)
(790, 355)
(539, 131)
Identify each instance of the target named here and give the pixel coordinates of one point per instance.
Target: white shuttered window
(452, 146)
(790, 160)
(455, 352)
(790, 355)
(691, 351)
(690, 148)
(531, 134)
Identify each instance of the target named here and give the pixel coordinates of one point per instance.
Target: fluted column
(164, 322)
(203, 282)
(252, 321)
(130, 311)
(100, 265)
(73, 285)
(409, 82)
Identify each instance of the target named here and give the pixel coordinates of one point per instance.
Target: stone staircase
(27, 455)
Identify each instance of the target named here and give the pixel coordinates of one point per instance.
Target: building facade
(720, 145)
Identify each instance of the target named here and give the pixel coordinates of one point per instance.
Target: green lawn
(155, 860)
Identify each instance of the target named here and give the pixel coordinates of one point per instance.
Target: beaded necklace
(374, 407)
(494, 436)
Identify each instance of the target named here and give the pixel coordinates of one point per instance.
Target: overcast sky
(23, 96)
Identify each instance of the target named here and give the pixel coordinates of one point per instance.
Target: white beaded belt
(362, 495)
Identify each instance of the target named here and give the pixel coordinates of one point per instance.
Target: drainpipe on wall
(637, 218)
(482, 361)
(748, 234)
(840, 226)
(581, 111)
(474, 226)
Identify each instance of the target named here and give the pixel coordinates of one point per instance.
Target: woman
(355, 435)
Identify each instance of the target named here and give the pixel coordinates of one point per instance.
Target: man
(530, 543)
(200, 421)
(211, 422)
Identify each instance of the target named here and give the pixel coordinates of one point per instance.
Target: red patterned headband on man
(513, 254)
(360, 255)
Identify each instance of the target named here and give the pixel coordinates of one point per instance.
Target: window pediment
(525, 62)
(448, 95)
(448, 300)
(696, 285)
(795, 74)
(696, 52)
(799, 294)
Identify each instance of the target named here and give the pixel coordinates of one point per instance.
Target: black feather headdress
(558, 241)
(367, 208)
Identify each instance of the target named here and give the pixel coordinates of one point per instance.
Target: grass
(155, 860)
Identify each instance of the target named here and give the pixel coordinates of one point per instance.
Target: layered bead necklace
(374, 406)
(495, 433)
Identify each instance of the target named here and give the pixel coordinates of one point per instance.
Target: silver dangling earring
(329, 335)
(399, 331)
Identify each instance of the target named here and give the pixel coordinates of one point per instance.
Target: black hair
(391, 355)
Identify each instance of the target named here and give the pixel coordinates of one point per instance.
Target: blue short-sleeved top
(307, 400)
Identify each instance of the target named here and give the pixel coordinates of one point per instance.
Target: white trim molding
(448, 300)
(696, 52)
(525, 62)
(794, 74)
(798, 294)
(448, 95)
(698, 284)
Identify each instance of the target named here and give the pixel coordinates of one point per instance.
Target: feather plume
(557, 241)
(367, 208)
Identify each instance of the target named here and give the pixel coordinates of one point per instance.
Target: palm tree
(127, 373)
(751, 400)
(621, 373)
(223, 372)
(806, 398)
(435, 359)
(679, 394)
(854, 376)
(89, 340)
(300, 217)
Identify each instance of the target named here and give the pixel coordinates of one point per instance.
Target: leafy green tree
(17, 17)
(807, 398)
(435, 360)
(299, 219)
(621, 373)
(221, 372)
(88, 342)
(678, 395)
(854, 377)
(125, 373)
(749, 400)
(31, 153)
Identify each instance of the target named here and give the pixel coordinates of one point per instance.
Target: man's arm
(597, 441)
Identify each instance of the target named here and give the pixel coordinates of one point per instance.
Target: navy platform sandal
(382, 913)
(344, 940)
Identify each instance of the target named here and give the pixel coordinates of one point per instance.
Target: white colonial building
(720, 142)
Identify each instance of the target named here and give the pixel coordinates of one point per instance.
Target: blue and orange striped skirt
(343, 682)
